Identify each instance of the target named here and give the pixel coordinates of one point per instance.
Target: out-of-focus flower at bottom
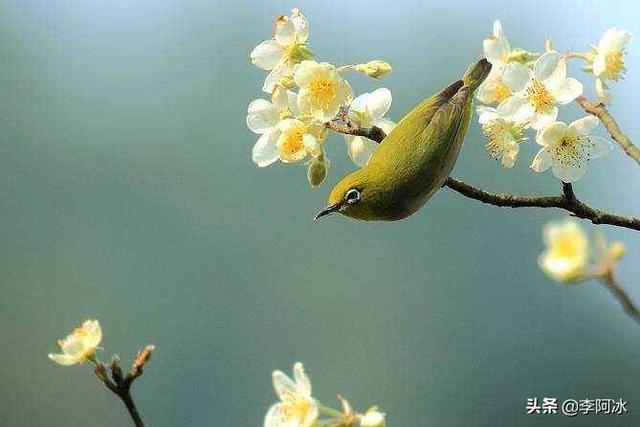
(567, 251)
(373, 418)
(296, 407)
(79, 346)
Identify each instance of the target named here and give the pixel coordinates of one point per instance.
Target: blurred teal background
(128, 194)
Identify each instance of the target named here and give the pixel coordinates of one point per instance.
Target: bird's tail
(476, 74)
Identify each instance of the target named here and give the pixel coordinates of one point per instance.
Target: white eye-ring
(352, 196)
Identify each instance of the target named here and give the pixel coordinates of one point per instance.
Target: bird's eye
(352, 196)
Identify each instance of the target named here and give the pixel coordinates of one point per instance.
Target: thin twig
(120, 384)
(607, 120)
(609, 280)
(567, 201)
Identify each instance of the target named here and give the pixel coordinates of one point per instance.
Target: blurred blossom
(287, 48)
(368, 110)
(567, 251)
(296, 407)
(567, 149)
(373, 418)
(80, 345)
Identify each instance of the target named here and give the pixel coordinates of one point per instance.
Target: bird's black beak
(326, 211)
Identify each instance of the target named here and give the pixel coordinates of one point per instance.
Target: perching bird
(414, 160)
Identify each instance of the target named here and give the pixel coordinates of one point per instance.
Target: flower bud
(317, 171)
(549, 45)
(373, 418)
(616, 251)
(374, 68)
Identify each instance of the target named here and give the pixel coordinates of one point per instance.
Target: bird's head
(356, 196)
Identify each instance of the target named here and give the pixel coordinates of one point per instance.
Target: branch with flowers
(82, 345)
(523, 94)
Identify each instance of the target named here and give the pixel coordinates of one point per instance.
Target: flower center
(539, 97)
(291, 145)
(500, 91)
(322, 89)
(614, 63)
(567, 247)
(568, 152)
(295, 408)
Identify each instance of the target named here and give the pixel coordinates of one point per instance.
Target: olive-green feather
(416, 158)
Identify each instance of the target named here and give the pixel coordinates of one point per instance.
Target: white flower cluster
(298, 408)
(524, 90)
(305, 96)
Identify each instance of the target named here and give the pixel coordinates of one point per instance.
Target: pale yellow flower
(608, 62)
(567, 251)
(287, 48)
(373, 418)
(322, 90)
(297, 408)
(81, 345)
(294, 142)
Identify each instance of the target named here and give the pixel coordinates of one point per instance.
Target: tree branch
(120, 384)
(600, 111)
(567, 201)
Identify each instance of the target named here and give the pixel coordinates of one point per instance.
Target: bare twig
(567, 201)
(610, 281)
(120, 384)
(342, 124)
(607, 120)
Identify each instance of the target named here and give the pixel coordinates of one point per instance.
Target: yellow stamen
(292, 147)
(614, 64)
(295, 408)
(539, 97)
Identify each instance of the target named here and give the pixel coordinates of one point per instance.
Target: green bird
(414, 160)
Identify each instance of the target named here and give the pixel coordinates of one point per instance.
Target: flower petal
(312, 414)
(274, 77)
(262, 116)
(568, 91)
(600, 64)
(64, 359)
(285, 31)
(597, 146)
(267, 55)
(552, 134)
(379, 102)
(540, 120)
(305, 72)
(303, 384)
(276, 417)
(301, 26)
(570, 172)
(614, 39)
(385, 124)
(585, 125)
(359, 149)
(265, 151)
(516, 76)
(542, 161)
(547, 66)
(283, 385)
